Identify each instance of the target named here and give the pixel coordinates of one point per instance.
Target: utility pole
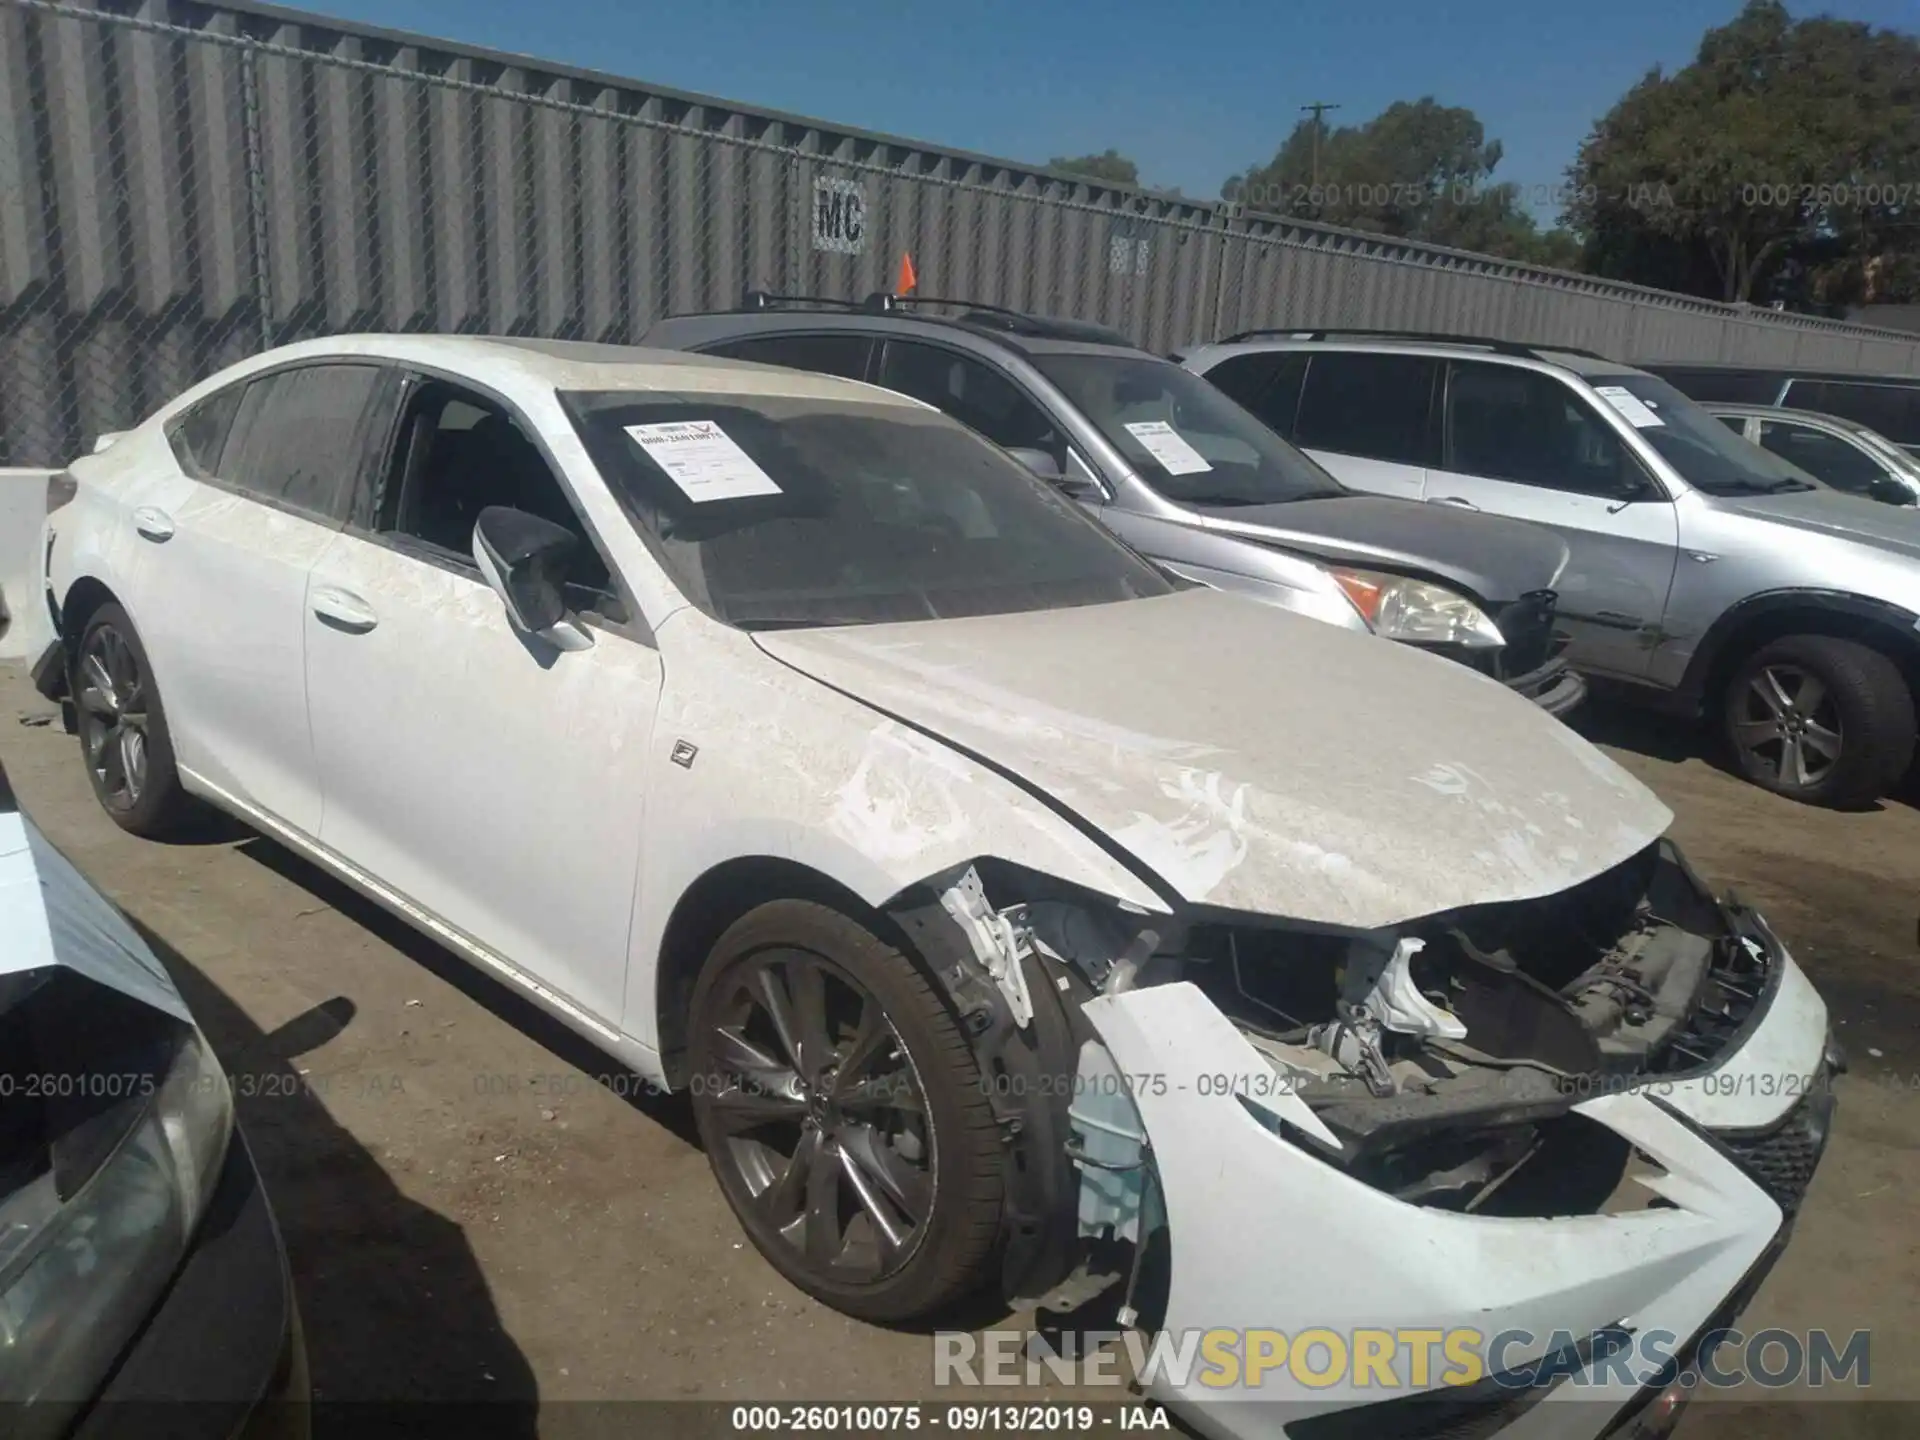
(1317, 109)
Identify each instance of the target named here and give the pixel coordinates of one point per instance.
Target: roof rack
(973, 312)
(1522, 349)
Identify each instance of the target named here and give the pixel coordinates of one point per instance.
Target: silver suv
(1706, 571)
(1187, 478)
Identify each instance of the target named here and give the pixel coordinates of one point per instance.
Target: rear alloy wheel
(123, 730)
(843, 1114)
(1820, 719)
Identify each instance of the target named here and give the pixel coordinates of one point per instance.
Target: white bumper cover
(1265, 1236)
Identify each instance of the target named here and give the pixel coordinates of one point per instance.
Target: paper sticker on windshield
(1163, 442)
(1637, 414)
(699, 457)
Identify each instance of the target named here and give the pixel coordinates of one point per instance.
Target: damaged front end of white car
(1561, 1119)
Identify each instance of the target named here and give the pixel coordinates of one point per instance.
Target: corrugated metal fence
(184, 184)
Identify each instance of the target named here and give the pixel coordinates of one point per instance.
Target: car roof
(511, 360)
(1784, 412)
(976, 327)
(1580, 362)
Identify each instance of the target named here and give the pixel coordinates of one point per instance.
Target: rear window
(779, 511)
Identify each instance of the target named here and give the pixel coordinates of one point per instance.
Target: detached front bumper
(1556, 687)
(1266, 1236)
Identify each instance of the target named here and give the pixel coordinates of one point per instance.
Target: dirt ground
(470, 1214)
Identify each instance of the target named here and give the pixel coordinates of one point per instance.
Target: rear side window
(1373, 406)
(842, 355)
(1893, 410)
(1267, 384)
(299, 439)
(198, 436)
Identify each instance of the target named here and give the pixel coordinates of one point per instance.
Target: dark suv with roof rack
(1183, 474)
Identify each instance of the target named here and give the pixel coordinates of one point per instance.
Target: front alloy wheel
(843, 1113)
(820, 1115)
(1788, 726)
(1820, 719)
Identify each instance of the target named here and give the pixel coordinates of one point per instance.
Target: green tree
(1784, 157)
(1419, 169)
(1109, 165)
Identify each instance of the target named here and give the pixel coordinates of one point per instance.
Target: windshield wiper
(1757, 487)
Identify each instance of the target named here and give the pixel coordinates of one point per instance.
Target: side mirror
(524, 559)
(1889, 491)
(1040, 462)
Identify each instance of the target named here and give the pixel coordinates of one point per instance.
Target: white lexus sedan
(1004, 905)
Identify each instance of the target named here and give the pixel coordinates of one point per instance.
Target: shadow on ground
(672, 1112)
(392, 1300)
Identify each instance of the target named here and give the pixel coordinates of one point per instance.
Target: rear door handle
(1455, 500)
(343, 610)
(154, 523)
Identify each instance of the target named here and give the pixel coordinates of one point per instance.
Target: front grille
(1782, 1160)
(1527, 625)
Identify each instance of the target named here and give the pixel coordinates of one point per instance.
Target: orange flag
(908, 281)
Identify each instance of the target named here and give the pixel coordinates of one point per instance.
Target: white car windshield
(777, 511)
(1708, 455)
(1183, 435)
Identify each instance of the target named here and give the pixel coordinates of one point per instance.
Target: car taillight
(60, 489)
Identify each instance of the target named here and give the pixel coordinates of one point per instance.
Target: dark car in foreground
(144, 1289)
(1183, 474)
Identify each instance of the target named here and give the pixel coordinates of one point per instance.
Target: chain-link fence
(186, 184)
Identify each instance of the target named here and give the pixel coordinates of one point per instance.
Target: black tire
(156, 805)
(1821, 720)
(861, 1271)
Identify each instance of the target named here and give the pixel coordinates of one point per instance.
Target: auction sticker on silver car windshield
(702, 460)
(1630, 405)
(1166, 445)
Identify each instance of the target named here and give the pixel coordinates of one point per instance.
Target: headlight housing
(114, 1124)
(1418, 611)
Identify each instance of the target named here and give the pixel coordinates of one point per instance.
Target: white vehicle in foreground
(800, 749)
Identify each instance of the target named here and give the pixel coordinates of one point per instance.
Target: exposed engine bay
(1438, 1062)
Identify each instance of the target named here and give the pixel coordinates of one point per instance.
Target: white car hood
(1257, 760)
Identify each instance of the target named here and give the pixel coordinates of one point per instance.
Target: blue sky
(1191, 89)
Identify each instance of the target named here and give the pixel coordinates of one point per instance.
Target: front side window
(1707, 455)
(1182, 435)
(1370, 405)
(1823, 456)
(460, 452)
(973, 393)
(779, 511)
(299, 437)
(1507, 423)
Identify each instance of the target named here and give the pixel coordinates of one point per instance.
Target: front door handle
(1455, 500)
(153, 523)
(343, 610)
